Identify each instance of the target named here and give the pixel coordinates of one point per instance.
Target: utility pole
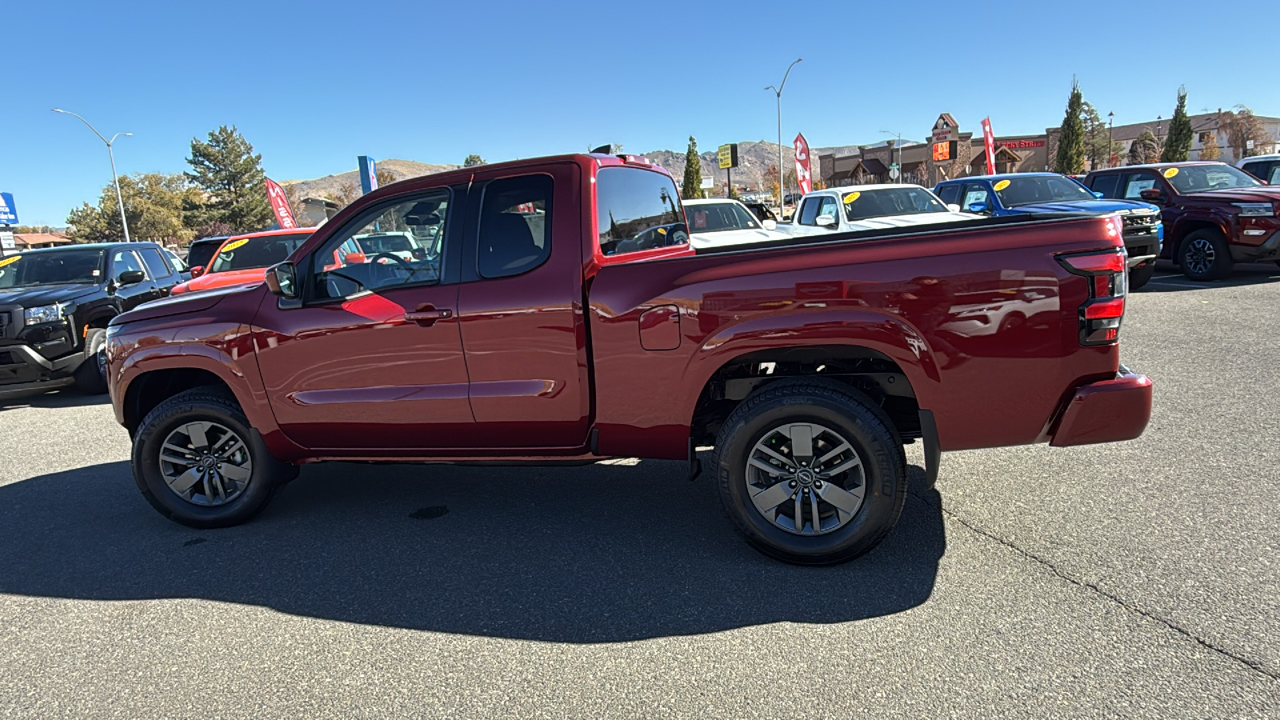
(115, 179)
(778, 91)
(1111, 137)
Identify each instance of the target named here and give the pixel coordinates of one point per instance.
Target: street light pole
(778, 91)
(1111, 137)
(899, 146)
(110, 154)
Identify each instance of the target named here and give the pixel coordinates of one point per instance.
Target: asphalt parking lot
(1137, 579)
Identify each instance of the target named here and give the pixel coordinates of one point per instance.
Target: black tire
(1141, 275)
(204, 404)
(845, 410)
(91, 377)
(1204, 255)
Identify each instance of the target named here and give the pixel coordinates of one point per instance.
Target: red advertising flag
(989, 140)
(280, 205)
(803, 178)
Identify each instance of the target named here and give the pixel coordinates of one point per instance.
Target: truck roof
(105, 245)
(1157, 166)
(998, 176)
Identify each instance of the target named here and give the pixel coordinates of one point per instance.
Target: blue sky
(312, 85)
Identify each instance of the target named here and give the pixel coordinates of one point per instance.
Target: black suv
(55, 305)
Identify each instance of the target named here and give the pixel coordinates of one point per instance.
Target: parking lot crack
(1253, 665)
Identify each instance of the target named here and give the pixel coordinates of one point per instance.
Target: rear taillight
(1101, 314)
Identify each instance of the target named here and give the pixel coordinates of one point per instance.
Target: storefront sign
(1020, 144)
(944, 151)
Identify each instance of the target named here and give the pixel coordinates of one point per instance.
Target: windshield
(890, 201)
(374, 244)
(51, 268)
(256, 252)
(1198, 178)
(715, 217)
(1039, 189)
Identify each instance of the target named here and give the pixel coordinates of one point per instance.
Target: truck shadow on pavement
(604, 553)
(1169, 278)
(53, 400)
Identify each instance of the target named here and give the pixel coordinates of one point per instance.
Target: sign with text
(803, 178)
(8, 211)
(727, 156)
(1021, 144)
(6, 240)
(944, 151)
(368, 174)
(280, 205)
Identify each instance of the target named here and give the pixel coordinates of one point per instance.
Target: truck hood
(1089, 206)
(224, 279)
(1266, 193)
(37, 295)
(179, 304)
(734, 237)
(893, 221)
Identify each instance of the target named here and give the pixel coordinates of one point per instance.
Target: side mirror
(825, 221)
(1097, 194)
(197, 271)
(1152, 195)
(769, 224)
(282, 280)
(978, 207)
(131, 277)
(354, 258)
(953, 207)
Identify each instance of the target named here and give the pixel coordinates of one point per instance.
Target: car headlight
(45, 313)
(1256, 209)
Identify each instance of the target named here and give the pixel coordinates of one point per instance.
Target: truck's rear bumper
(1107, 411)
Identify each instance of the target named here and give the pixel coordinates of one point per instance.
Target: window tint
(1135, 183)
(1274, 179)
(201, 251)
(950, 194)
(829, 209)
(345, 265)
(157, 266)
(515, 226)
(123, 261)
(809, 211)
(637, 210)
(1106, 184)
(975, 194)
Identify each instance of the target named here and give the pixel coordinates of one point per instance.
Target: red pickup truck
(558, 315)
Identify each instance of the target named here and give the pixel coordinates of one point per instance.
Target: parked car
(201, 251)
(1214, 215)
(1264, 167)
(867, 207)
(760, 209)
(1018, 193)
(715, 223)
(589, 329)
(243, 259)
(55, 305)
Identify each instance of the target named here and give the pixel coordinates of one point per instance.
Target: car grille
(1141, 224)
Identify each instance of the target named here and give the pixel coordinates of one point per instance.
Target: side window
(975, 194)
(1256, 169)
(950, 194)
(1274, 178)
(809, 211)
(828, 208)
(122, 261)
(157, 267)
(1135, 183)
(388, 247)
(637, 210)
(1106, 184)
(515, 226)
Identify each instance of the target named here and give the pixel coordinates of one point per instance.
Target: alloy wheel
(206, 463)
(1200, 256)
(805, 478)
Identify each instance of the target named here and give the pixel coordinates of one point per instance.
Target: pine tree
(473, 160)
(231, 179)
(1070, 157)
(1177, 144)
(692, 172)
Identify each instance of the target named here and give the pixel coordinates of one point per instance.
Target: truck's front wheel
(197, 460)
(1204, 255)
(810, 473)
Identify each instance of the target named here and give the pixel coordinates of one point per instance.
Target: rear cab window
(1106, 184)
(637, 210)
(950, 194)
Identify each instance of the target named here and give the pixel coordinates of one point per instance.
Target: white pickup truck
(869, 207)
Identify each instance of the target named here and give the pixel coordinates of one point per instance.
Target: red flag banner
(989, 140)
(803, 178)
(280, 205)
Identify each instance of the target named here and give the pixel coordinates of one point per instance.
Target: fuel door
(660, 328)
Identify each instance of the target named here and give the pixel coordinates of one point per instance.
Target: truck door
(521, 310)
(134, 294)
(370, 357)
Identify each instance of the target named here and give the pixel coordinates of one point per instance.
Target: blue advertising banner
(368, 174)
(8, 211)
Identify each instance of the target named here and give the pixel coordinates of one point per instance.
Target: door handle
(427, 316)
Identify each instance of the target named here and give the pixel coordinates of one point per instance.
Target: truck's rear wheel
(197, 460)
(810, 473)
(1204, 255)
(1141, 275)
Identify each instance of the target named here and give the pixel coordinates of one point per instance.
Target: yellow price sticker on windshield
(232, 246)
(662, 231)
(1170, 172)
(851, 197)
(10, 260)
(1001, 185)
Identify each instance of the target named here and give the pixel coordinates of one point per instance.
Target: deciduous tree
(154, 204)
(473, 160)
(1146, 149)
(1209, 149)
(1241, 126)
